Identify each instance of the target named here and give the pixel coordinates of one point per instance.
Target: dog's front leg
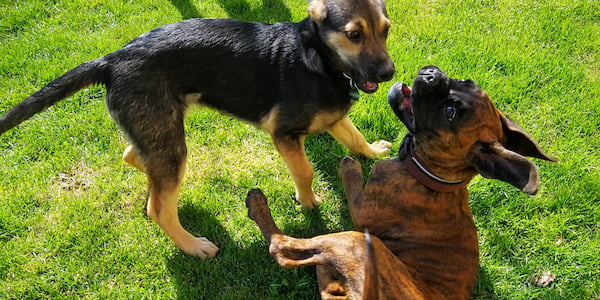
(352, 179)
(292, 152)
(350, 173)
(346, 133)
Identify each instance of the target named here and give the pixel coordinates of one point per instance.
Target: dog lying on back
(423, 241)
(289, 79)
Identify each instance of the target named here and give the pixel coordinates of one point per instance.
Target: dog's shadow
(233, 272)
(186, 9)
(270, 11)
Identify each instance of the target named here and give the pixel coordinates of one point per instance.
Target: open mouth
(401, 101)
(369, 87)
(406, 104)
(363, 84)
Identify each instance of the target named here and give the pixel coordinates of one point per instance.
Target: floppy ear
(517, 140)
(317, 10)
(496, 162)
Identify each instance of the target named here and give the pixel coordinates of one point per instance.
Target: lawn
(72, 221)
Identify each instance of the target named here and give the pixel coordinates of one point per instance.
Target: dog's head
(356, 33)
(455, 122)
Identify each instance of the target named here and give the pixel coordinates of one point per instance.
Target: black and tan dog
(424, 241)
(290, 79)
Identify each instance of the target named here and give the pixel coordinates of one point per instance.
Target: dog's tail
(371, 288)
(91, 72)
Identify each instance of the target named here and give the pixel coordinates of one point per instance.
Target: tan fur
(269, 122)
(346, 134)
(324, 120)
(131, 157)
(317, 10)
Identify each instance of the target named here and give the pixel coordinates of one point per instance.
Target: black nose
(429, 73)
(386, 71)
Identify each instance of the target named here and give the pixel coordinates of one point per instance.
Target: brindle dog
(289, 79)
(415, 206)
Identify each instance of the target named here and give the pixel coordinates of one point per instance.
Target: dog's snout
(381, 72)
(386, 72)
(429, 74)
(395, 93)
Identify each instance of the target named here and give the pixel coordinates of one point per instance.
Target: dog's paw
(380, 148)
(256, 202)
(309, 200)
(202, 248)
(347, 164)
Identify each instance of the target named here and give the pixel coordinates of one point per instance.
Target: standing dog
(289, 79)
(415, 206)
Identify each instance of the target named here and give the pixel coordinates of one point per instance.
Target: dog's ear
(317, 10)
(505, 160)
(494, 161)
(517, 140)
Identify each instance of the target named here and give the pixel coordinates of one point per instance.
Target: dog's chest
(395, 207)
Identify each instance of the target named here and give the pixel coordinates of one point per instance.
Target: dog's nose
(429, 74)
(386, 71)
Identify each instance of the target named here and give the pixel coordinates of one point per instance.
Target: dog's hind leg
(155, 128)
(292, 152)
(131, 157)
(346, 133)
(165, 173)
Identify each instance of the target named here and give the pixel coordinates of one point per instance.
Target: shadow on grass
(232, 274)
(506, 223)
(484, 288)
(271, 10)
(186, 9)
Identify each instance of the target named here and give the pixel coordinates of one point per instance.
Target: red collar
(419, 171)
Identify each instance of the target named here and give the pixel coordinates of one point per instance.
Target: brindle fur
(424, 241)
(286, 78)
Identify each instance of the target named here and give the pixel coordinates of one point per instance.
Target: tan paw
(380, 148)
(309, 200)
(201, 248)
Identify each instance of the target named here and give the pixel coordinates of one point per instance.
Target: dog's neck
(321, 59)
(421, 172)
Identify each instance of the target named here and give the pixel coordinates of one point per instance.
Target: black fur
(244, 69)
(287, 78)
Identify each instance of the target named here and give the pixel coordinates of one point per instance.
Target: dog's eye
(353, 35)
(386, 31)
(450, 113)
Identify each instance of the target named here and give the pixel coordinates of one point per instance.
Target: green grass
(72, 221)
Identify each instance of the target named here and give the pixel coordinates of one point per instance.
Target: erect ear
(496, 162)
(317, 10)
(517, 140)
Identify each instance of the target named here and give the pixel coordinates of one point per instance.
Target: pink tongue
(370, 85)
(406, 90)
(406, 103)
